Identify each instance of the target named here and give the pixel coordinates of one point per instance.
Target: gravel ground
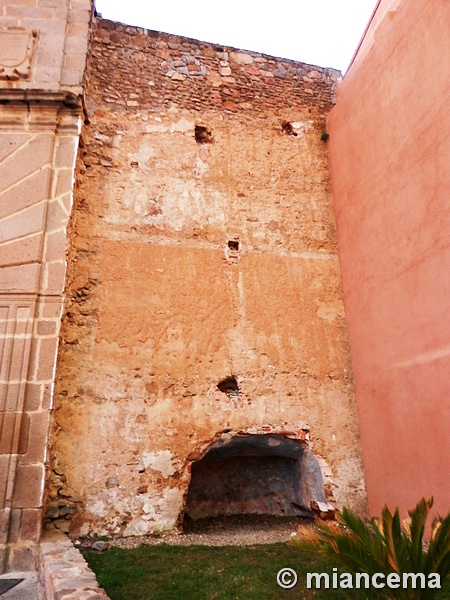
(225, 531)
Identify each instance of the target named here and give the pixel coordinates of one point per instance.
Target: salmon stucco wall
(202, 247)
(390, 165)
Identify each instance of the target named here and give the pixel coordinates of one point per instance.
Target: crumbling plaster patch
(159, 461)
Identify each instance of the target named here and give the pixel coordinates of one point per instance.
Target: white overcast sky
(318, 32)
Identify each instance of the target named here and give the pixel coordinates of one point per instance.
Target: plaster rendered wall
(390, 156)
(160, 310)
(43, 48)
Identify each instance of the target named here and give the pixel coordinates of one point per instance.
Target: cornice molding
(40, 110)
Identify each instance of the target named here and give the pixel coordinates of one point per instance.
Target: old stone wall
(43, 46)
(202, 250)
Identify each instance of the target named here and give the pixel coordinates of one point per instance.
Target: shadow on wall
(256, 475)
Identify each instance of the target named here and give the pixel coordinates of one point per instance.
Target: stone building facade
(204, 334)
(203, 354)
(43, 46)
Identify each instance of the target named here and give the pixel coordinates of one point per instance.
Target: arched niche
(255, 475)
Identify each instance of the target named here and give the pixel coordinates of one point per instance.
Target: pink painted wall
(390, 162)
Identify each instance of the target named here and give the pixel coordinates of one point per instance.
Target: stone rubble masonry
(202, 245)
(140, 69)
(40, 117)
(65, 575)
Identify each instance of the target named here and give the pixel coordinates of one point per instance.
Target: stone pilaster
(43, 46)
(38, 145)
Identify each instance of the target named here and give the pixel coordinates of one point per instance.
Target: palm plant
(386, 545)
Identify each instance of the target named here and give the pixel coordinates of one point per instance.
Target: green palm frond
(385, 545)
(437, 559)
(395, 540)
(416, 530)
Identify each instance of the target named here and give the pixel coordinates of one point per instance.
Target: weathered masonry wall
(202, 248)
(393, 222)
(42, 57)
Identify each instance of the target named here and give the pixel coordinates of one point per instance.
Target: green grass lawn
(165, 572)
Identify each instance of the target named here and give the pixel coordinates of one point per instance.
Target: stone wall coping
(64, 574)
(132, 69)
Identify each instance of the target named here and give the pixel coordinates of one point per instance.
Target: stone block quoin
(37, 155)
(43, 46)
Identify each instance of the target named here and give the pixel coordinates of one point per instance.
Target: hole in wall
(229, 386)
(254, 474)
(233, 249)
(288, 129)
(203, 135)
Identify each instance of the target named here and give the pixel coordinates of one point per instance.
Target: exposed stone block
(50, 56)
(31, 524)
(25, 250)
(47, 399)
(51, 308)
(47, 358)
(5, 514)
(36, 15)
(14, 525)
(22, 3)
(13, 395)
(23, 278)
(29, 486)
(26, 192)
(26, 222)
(78, 30)
(64, 182)
(5, 466)
(55, 246)
(9, 426)
(79, 16)
(35, 427)
(22, 557)
(71, 77)
(33, 396)
(24, 421)
(48, 76)
(47, 328)
(57, 215)
(53, 3)
(26, 160)
(55, 277)
(66, 151)
(16, 366)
